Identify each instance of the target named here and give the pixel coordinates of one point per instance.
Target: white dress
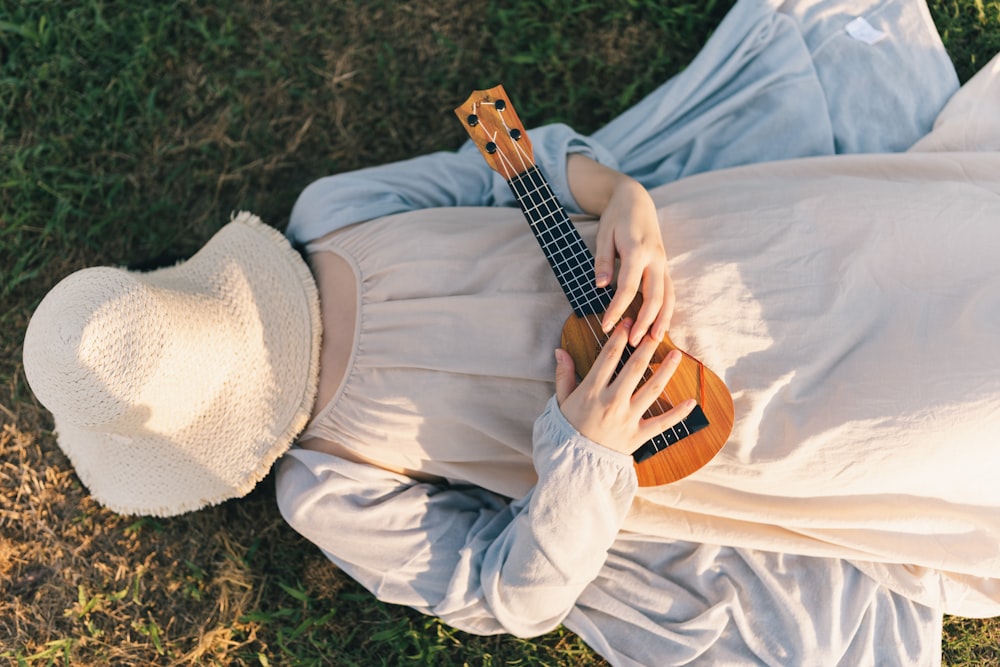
(854, 502)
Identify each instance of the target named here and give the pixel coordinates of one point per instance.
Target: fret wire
(581, 287)
(580, 257)
(545, 212)
(539, 186)
(581, 281)
(567, 239)
(550, 205)
(540, 181)
(562, 227)
(559, 230)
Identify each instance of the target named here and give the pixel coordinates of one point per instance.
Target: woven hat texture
(179, 388)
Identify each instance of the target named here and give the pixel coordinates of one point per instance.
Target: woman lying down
(450, 460)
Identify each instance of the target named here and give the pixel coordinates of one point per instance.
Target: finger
(565, 375)
(653, 426)
(606, 364)
(652, 306)
(629, 279)
(637, 366)
(652, 389)
(604, 256)
(662, 324)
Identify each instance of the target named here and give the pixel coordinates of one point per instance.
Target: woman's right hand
(610, 409)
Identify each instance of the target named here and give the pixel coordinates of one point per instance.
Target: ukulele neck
(570, 258)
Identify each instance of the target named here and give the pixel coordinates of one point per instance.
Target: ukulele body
(582, 338)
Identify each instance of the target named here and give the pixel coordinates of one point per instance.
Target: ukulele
(677, 452)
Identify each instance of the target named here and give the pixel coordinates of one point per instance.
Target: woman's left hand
(630, 230)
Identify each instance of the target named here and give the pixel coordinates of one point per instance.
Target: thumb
(565, 375)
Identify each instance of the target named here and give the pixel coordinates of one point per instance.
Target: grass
(128, 133)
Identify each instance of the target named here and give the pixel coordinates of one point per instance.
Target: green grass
(128, 133)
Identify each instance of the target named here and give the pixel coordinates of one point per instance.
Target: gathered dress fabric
(849, 301)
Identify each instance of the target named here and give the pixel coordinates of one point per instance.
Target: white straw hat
(179, 388)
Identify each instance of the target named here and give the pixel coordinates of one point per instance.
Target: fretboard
(570, 258)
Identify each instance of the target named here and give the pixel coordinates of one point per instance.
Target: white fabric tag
(863, 31)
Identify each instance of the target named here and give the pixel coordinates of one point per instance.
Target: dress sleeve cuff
(553, 433)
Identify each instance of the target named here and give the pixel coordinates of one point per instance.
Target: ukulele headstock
(493, 124)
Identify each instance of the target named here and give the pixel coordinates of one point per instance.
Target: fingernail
(602, 279)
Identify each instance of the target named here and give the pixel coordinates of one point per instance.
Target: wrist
(626, 186)
(594, 185)
(562, 433)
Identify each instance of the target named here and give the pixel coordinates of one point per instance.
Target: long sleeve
(474, 559)
(460, 178)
